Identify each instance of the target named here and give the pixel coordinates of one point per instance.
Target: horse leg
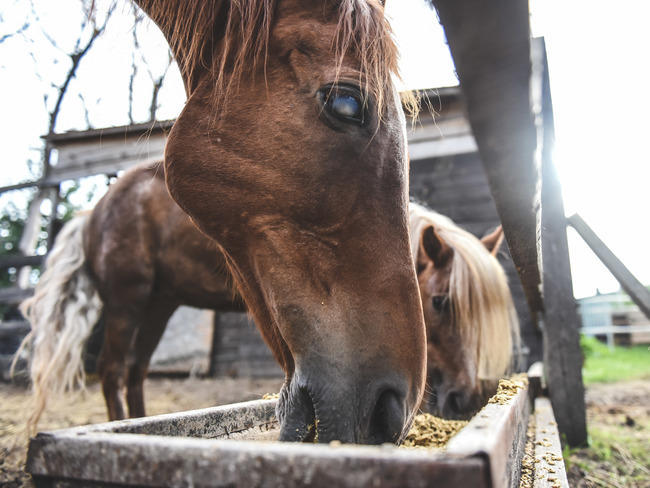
(112, 364)
(147, 338)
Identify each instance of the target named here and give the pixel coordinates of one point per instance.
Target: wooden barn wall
(238, 349)
(456, 186)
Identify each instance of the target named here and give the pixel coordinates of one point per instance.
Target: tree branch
(20, 30)
(75, 57)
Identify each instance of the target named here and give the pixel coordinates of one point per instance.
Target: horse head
(291, 154)
(468, 311)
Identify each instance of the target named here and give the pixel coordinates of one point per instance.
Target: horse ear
(434, 247)
(492, 241)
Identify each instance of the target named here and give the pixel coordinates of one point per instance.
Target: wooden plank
(14, 295)
(562, 353)
(549, 464)
(145, 129)
(156, 461)
(489, 42)
(14, 328)
(172, 449)
(633, 287)
(19, 261)
(446, 146)
(536, 384)
(497, 432)
(26, 184)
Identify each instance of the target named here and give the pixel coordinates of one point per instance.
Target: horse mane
(480, 297)
(195, 27)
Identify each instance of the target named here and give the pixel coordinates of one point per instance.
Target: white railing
(611, 330)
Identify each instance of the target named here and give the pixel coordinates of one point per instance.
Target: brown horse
(136, 258)
(472, 326)
(291, 154)
(144, 267)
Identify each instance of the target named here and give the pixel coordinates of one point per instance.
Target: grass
(616, 457)
(603, 365)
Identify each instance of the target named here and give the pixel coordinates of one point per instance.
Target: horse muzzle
(324, 411)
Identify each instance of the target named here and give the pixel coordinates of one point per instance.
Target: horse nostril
(387, 419)
(456, 403)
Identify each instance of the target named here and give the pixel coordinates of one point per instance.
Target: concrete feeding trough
(234, 446)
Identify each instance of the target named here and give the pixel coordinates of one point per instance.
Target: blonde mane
(241, 30)
(481, 302)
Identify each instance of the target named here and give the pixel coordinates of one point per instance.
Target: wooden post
(633, 287)
(490, 44)
(29, 237)
(216, 342)
(561, 325)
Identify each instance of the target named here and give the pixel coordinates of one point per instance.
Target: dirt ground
(618, 415)
(618, 419)
(161, 396)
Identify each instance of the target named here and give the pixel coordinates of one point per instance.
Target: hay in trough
(430, 431)
(433, 432)
(508, 388)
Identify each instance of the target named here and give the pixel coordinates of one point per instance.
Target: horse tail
(62, 312)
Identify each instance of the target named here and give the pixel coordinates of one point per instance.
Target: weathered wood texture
(489, 42)
(238, 349)
(14, 295)
(17, 261)
(497, 432)
(536, 383)
(549, 464)
(188, 449)
(633, 287)
(562, 353)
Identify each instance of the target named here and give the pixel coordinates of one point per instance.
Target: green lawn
(603, 365)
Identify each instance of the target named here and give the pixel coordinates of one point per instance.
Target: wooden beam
(490, 44)
(20, 261)
(14, 328)
(26, 184)
(633, 287)
(562, 353)
(14, 295)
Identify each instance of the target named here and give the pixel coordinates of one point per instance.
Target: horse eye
(345, 106)
(343, 103)
(440, 303)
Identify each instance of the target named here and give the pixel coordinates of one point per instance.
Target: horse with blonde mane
(290, 154)
(137, 271)
(472, 325)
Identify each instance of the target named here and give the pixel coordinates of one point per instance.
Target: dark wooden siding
(238, 349)
(457, 187)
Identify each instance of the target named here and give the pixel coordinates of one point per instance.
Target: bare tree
(18, 31)
(90, 31)
(157, 81)
(8, 35)
(157, 85)
(137, 19)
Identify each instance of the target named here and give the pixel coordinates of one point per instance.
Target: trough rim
(73, 453)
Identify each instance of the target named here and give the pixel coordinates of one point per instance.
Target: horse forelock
(482, 305)
(241, 31)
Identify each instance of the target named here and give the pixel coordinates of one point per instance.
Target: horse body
(139, 243)
(146, 259)
(136, 258)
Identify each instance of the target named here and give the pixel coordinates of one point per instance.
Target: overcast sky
(599, 80)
